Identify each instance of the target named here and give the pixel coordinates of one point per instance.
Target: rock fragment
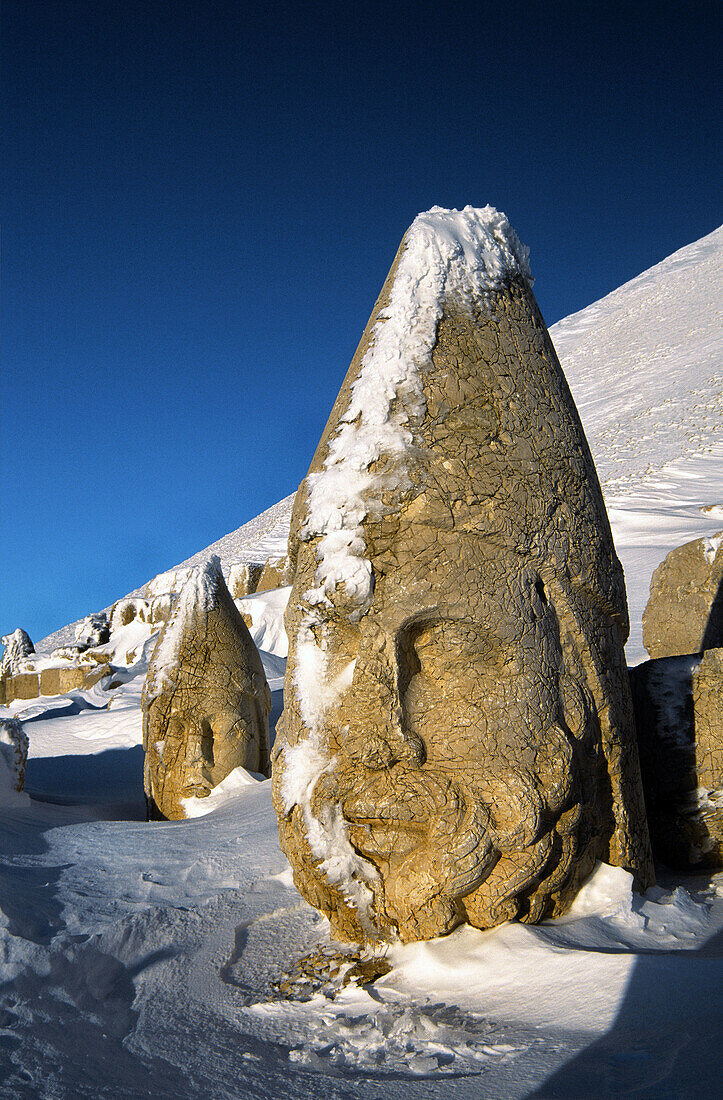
(684, 613)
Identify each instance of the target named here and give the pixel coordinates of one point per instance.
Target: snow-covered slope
(645, 366)
(138, 959)
(261, 538)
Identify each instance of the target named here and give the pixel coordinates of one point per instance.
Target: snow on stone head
(457, 735)
(13, 756)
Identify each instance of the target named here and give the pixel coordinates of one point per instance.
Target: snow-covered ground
(139, 959)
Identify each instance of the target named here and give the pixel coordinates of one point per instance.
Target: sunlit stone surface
(206, 701)
(457, 736)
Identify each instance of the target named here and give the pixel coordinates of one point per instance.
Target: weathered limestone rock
(458, 740)
(679, 718)
(22, 685)
(685, 609)
(125, 611)
(276, 573)
(206, 701)
(161, 607)
(244, 577)
(60, 679)
(172, 581)
(17, 646)
(13, 755)
(93, 631)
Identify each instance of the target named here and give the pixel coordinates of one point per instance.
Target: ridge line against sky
(200, 205)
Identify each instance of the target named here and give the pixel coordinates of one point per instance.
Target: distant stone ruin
(458, 741)
(684, 613)
(678, 700)
(25, 674)
(243, 578)
(275, 574)
(206, 701)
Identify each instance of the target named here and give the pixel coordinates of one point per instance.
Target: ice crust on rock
(711, 546)
(198, 593)
(13, 756)
(305, 763)
(17, 645)
(447, 254)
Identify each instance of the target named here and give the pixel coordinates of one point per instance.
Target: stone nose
(199, 746)
(377, 735)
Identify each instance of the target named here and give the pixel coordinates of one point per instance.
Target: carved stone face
(457, 745)
(206, 701)
(209, 732)
(457, 739)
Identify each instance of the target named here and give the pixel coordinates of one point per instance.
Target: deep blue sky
(201, 201)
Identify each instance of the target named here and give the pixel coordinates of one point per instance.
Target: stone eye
(207, 742)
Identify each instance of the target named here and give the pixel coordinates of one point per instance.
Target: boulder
(128, 609)
(93, 631)
(60, 679)
(680, 734)
(13, 756)
(17, 646)
(458, 740)
(275, 574)
(684, 613)
(22, 685)
(172, 581)
(161, 607)
(244, 577)
(205, 701)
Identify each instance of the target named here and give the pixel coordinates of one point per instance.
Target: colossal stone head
(206, 701)
(458, 742)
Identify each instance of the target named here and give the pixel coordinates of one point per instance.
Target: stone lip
(458, 741)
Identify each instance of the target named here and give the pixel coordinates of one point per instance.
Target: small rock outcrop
(206, 701)
(458, 740)
(17, 645)
(93, 631)
(244, 577)
(161, 607)
(679, 715)
(127, 610)
(13, 755)
(276, 573)
(684, 613)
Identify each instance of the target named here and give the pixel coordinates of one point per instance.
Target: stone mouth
(390, 837)
(406, 823)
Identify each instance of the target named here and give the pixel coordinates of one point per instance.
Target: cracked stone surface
(206, 701)
(684, 613)
(478, 754)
